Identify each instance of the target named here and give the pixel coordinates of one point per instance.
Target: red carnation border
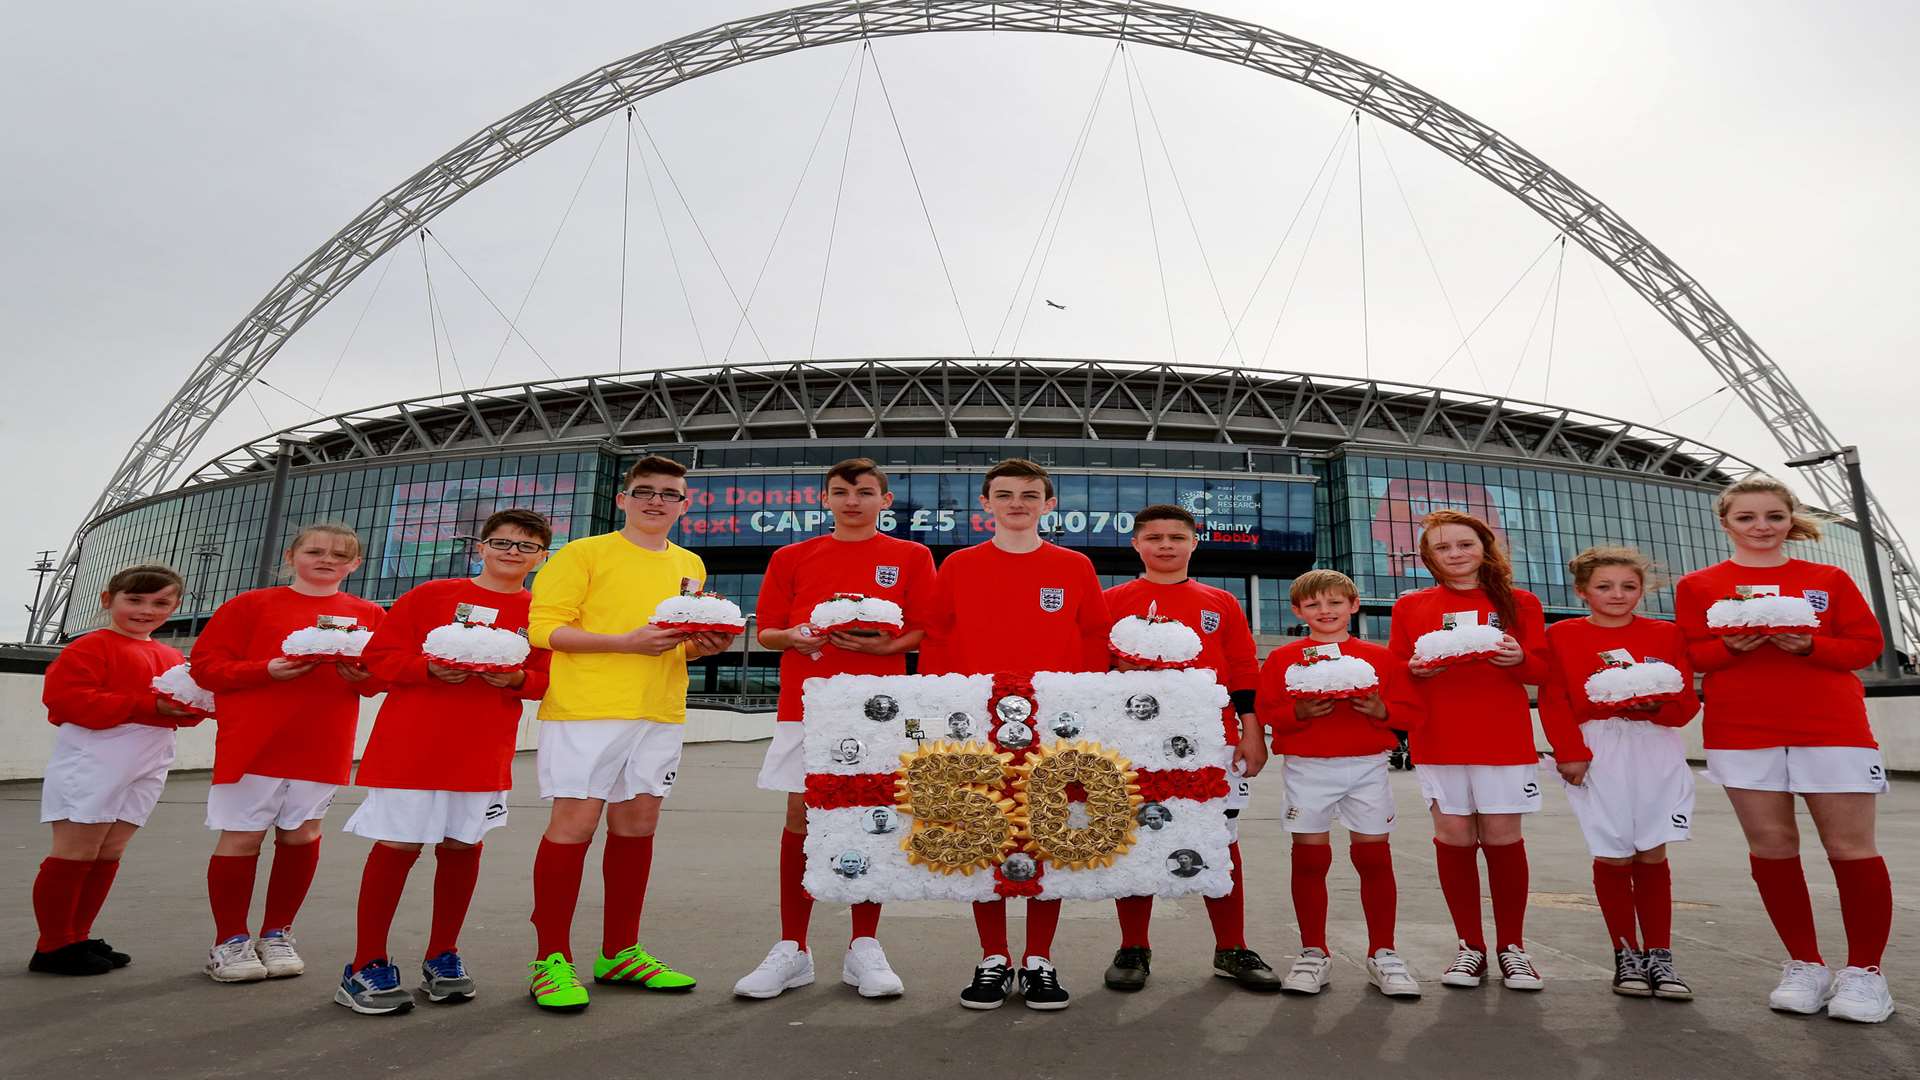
(1148, 664)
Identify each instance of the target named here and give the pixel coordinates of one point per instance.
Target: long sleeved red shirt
(1473, 713)
(435, 735)
(800, 576)
(1344, 732)
(1769, 697)
(1226, 642)
(994, 611)
(1573, 656)
(296, 729)
(105, 679)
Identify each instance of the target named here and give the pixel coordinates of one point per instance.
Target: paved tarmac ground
(711, 911)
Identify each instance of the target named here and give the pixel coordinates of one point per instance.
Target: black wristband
(1242, 701)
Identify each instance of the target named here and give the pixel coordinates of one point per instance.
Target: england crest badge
(1816, 598)
(886, 576)
(1052, 600)
(1209, 621)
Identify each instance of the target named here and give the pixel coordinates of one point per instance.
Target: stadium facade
(1285, 471)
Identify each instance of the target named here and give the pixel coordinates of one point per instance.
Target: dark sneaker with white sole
(1040, 985)
(444, 979)
(374, 990)
(1630, 974)
(1130, 968)
(992, 983)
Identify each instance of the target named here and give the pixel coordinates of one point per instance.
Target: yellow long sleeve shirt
(606, 584)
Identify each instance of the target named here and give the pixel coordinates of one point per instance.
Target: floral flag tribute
(977, 787)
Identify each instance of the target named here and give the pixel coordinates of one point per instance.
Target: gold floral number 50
(960, 822)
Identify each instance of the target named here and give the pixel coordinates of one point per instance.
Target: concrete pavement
(712, 912)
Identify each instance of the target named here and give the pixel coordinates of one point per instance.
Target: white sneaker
(1517, 971)
(1310, 973)
(1804, 988)
(1389, 975)
(234, 960)
(276, 952)
(787, 966)
(1860, 994)
(866, 967)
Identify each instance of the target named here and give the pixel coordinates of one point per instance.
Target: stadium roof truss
(995, 399)
(162, 449)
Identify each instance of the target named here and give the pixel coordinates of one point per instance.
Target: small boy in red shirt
(109, 763)
(1336, 767)
(1016, 603)
(855, 558)
(1165, 538)
(439, 763)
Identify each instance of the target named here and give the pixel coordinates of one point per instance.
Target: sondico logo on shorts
(1876, 773)
(667, 780)
(1531, 791)
(1052, 600)
(496, 810)
(1680, 821)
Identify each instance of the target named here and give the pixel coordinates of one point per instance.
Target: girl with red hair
(1474, 750)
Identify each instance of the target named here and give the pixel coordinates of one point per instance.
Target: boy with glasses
(1016, 603)
(611, 727)
(439, 764)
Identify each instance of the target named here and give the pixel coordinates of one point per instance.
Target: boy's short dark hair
(527, 521)
(852, 469)
(145, 579)
(1020, 468)
(1164, 512)
(653, 465)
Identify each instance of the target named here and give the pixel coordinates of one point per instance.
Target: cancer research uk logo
(1052, 600)
(1213, 508)
(886, 576)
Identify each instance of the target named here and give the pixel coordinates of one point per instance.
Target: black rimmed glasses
(524, 547)
(644, 494)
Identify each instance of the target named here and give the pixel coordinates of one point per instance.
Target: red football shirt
(1226, 642)
(1768, 697)
(441, 736)
(995, 611)
(1573, 655)
(801, 575)
(105, 679)
(1344, 732)
(1473, 713)
(299, 729)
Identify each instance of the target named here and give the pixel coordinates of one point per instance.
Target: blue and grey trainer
(444, 978)
(374, 990)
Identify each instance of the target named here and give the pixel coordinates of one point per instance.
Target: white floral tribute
(335, 637)
(1328, 676)
(1635, 683)
(1154, 641)
(1133, 734)
(855, 612)
(1456, 644)
(177, 686)
(472, 647)
(699, 613)
(1762, 613)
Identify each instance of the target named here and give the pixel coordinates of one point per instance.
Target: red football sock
(1613, 888)
(455, 873)
(796, 904)
(1507, 881)
(866, 922)
(1783, 891)
(990, 922)
(1459, 869)
(93, 896)
(1043, 918)
(230, 893)
(1228, 913)
(1310, 864)
(1136, 914)
(557, 869)
(381, 883)
(624, 866)
(1653, 902)
(1866, 907)
(288, 882)
(1379, 894)
(56, 893)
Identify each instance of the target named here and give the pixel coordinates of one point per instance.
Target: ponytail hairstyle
(327, 528)
(1805, 526)
(1584, 564)
(1496, 569)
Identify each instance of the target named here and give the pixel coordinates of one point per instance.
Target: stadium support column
(268, 564)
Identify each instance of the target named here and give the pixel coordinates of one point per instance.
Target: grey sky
(168, 164)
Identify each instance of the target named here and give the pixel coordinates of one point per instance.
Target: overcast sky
(168, 163)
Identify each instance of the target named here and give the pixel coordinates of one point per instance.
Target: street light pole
(41, 567)
(1849, 457)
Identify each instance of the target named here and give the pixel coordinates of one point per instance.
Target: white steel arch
(162, 448)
